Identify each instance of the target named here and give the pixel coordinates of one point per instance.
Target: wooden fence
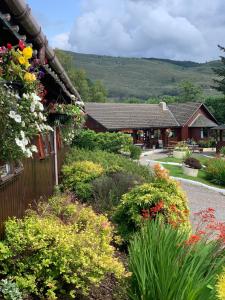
(35, 181)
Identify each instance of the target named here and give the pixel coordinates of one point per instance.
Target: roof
(183, 111)
(220, 127)
(114, 116)
(24, 26)
(133, 116)
(202, 121)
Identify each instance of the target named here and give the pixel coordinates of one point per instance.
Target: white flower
(18, 119)
(26, 96)
(33, 148)
(12, 114)
(41, 116)
(28, 153)
(32, 107)
(35, 114)
(23, 124)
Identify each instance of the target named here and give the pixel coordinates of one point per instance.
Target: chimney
(163, 105)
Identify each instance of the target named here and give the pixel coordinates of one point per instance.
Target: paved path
(202, 198)
(199, 197)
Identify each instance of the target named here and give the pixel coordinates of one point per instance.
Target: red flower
(9, 46)
(21, 44)
(145, 213)
(193, 239)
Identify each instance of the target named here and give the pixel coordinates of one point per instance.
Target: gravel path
(202, 198)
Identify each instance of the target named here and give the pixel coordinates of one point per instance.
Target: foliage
(215, 171)
(135, 152)
(62, 249)
(189, 91)
(221, 286)
(70, 118)
(209, 143)
(193, 163)
(222, 151)
(108, 190)
(90, 91)
(21, 113)
(165, 266)
(161, 197)
(220, 72)
(78, 177)
(106, 141)
(216, 105)
(110, 162)
(140, 78)
(10, 290)
(182, 146)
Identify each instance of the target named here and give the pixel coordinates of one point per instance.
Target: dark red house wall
(93, 125)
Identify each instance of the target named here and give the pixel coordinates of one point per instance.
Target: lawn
(201, 158)
(177, 171)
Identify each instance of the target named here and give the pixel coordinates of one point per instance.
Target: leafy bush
(108, 189)
(10, 290)
(182, 146)
(162, 197)
(164, 266)
(110, 162)
(221, 286)
(106, 141)
(135, 152)
(79, 175)
(62, 249)
(215, 171)
(209, 143)
(222, 151)
(193, 163)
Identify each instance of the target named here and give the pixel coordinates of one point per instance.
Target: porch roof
(202, 121)
(219, 127)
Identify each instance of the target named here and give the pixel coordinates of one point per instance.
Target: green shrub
(106, 141)
(222, 151)
(10, 290)
(108, 189)
(78, 177)
(164, 267)
(62, 249)
(162, 197)
(209, 143)
(135, 152)
(110, 162)
(215, 171)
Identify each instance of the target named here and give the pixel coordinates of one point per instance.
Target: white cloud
(176, 29)
(61, 41)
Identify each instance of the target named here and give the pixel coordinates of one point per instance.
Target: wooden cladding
(35, 181)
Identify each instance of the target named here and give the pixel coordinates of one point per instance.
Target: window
(204, 133)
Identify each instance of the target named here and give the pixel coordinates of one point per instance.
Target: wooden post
(56, 158)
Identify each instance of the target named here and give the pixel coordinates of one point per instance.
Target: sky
(174, 29)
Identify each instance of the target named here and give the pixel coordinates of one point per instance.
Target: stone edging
(221, 191)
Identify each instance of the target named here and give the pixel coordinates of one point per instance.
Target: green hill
(144, 77)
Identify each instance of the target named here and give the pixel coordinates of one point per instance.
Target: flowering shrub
(10, 290)
(215, 171)
(21, 111)
(70, 117)
(62, 249)
(78, 177)
(182, 146)
(221, 286)
(163, 266)
(163, 197)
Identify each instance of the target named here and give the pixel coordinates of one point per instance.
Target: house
(23, 182)
(152, 124)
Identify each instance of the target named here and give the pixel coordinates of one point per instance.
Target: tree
(220, 71)
(97, 92)
(189, 92)
(216, 105)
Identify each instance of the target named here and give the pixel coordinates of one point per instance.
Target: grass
(201, 158)
(177, 171)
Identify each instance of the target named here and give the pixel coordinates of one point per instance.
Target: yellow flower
(22, 60)
(221, 286)
(27, 64)
(27, 52)
(29, 77)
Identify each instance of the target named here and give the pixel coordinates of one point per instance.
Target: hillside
(144, 77)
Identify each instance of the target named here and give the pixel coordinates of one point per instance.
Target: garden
(209, 170)
(113, 230)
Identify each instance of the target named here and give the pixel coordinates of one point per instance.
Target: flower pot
(208, 149)
(189, 171)
(179, 154)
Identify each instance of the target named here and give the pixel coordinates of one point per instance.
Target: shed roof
(134, 116)
(202, 121)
